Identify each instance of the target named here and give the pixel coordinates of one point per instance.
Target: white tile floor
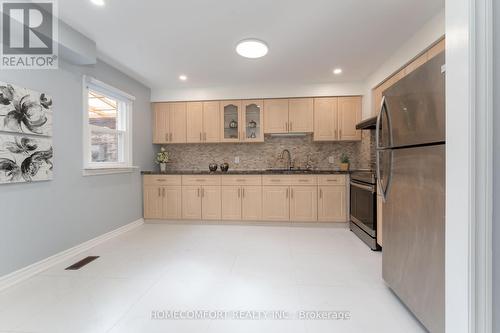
(211, 267)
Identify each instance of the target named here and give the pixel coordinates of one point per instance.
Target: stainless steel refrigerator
(410, 141)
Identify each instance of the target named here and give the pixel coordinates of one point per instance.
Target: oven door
(363, 206)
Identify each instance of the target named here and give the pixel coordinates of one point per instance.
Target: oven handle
(364, 187)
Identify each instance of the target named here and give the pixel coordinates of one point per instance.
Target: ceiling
(155, 41)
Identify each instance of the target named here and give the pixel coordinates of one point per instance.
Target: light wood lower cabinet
(332, 204)
(162, 202)
(275, 203)
(251, 198)
(304, 203)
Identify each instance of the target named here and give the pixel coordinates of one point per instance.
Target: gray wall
(496, 168)
(40, 219)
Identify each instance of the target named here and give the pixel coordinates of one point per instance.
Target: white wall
(428, 34)
(257, 91)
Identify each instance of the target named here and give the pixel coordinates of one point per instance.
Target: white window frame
(98, 168)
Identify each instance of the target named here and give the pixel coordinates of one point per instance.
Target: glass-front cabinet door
(253, 131)
(230, 115)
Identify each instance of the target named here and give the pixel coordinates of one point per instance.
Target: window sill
(108, 171)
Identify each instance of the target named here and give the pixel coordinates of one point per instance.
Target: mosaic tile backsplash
(258, 156)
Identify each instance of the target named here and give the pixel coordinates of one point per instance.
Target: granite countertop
(248, 172)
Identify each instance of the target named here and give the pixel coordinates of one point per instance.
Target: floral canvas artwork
(25, 159)
(25, 111)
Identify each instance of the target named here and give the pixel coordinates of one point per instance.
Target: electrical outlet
(331, 160)
(237, 160)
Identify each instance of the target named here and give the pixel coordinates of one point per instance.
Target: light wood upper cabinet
(194, 119)
(326, 119)
(301, 115)
(304, 203)
(191, 202)
(349, 114)
(161, 122)
(436, 49)
(251, 203)
(172, 202)
(211, 202)
(275, 203)
(252, 120)
(231, 202)
(230, 116)
(177, 123)
(153, 202)
(276, 115)
(332, 204)
(419, 61)
(211, 121)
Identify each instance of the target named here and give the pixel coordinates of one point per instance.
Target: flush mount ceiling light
(98, 2)
(252, 48)
(183, 77)
(337, 71)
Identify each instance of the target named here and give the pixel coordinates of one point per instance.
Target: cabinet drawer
(234, 180)
(304, 180)
(332, 180)
(162, 180)
(201, 180)
(276, 180)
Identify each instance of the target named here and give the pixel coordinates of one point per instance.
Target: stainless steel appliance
(363, 207)
(410, 135)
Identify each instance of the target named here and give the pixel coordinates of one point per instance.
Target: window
(107, 128)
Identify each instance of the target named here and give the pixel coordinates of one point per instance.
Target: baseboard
(22, 274)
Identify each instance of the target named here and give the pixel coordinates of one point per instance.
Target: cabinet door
(304, 203)
(211, 203)
(275, 203)
(177, 124)
(349, 115)
(276, 116)
(211, 121)
(251, 203)
(194, 122)
(252, 120)
(231, 202)
(191, 202)
(172, 202)
(325, 119)
(161, 121)
(230, 117)
(153, 202)
(301, 115)
(332, 204)
(422, 59)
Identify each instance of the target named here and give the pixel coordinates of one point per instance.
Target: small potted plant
(162, 159)
(344, 162)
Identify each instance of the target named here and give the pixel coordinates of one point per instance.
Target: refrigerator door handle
(383, 110)
(384, 191)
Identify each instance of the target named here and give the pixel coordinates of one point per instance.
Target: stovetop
(364, 176)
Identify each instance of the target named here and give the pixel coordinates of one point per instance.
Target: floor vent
(81, 263)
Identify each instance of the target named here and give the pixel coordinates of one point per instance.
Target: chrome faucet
(282, 156)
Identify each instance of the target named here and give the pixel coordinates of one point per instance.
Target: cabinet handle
(287, 193)
(201, 139)
(164, 192)
(159, 192)
(291, 193)
(166, 137)
(340, 133)
(243, 190)
(198, 192)
(321, 193)
(286, 125)
(336, 137)
(239, 192)
(170, 137)
(202, 192)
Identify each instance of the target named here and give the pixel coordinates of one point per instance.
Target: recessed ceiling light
(337, 71)
(98, 2)
(183, 77)
(252, 48)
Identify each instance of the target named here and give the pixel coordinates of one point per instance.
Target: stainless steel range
(363, 207)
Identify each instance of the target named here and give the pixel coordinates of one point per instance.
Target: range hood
(367, 124)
